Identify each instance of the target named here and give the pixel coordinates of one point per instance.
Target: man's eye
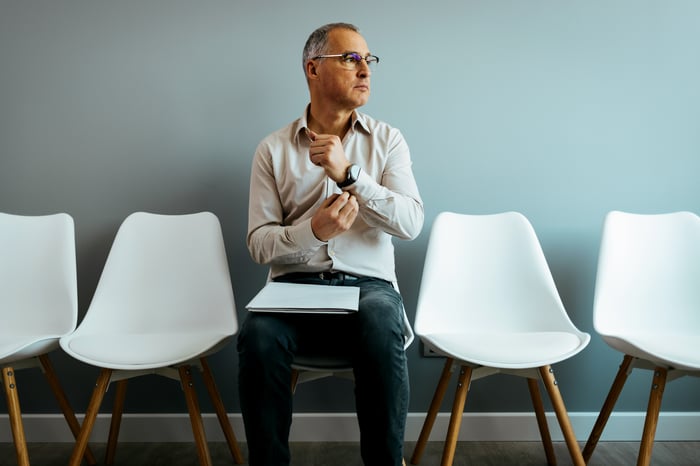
(351, 58)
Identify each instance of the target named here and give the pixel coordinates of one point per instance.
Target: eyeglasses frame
(356, 57)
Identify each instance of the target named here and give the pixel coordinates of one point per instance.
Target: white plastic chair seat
(677, 351)
(507, 350)
(19, 347)
(140, 351)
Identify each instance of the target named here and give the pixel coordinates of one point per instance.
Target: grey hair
(318, 40)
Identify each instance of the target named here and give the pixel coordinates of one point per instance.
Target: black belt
(317, 275)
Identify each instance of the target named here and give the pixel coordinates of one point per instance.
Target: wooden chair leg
(15, 415)
(448, 453)
(432, 411)
(115, 424)
(90, 415)
(534, 388)
(658, 385)
(195, 416)
(63, 403)
(221, 412)
(550, 384)
(607, 408)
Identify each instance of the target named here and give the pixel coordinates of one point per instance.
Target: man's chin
(362, 101)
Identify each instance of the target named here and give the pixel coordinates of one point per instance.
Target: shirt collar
(359, 121)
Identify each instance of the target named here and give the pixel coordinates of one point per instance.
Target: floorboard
(348, 454)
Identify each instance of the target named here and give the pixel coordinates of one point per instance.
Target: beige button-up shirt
(286, 189)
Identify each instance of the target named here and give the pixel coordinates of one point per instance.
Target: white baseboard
(320, 427)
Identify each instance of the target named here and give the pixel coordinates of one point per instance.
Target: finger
(317, 153)
(330, 200)
(318, 147)
(339, 201)
(316, 157)
(311, 134)
(351, 205)
(342, 198)
(350, 210)
(325, 139)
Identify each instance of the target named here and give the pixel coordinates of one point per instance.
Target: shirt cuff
(365, 188)
(303, 236)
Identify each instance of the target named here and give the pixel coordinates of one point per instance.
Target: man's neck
(336, 123)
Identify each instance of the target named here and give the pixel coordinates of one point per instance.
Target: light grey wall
(560, 110)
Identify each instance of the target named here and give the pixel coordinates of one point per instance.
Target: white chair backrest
(38, 282)
(648, 277)
(165, 273)
(487, 272)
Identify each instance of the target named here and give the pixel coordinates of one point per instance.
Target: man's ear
(311, 71)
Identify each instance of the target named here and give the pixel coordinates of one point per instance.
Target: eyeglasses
(351, 60)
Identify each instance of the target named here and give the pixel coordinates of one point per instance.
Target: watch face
(350, 176)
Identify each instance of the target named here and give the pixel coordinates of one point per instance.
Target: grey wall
(560, 110)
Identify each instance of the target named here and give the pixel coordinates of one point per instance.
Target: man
(327, 194)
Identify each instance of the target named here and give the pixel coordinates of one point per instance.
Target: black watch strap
(351, 175)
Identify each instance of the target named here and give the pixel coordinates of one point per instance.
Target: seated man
(327, 194)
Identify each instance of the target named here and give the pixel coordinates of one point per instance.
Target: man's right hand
(335, 216)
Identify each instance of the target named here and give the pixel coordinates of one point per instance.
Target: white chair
(647, 303)
(38, 305)
(488, 302)
(164, 302)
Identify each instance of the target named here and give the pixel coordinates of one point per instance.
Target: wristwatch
(351, 175)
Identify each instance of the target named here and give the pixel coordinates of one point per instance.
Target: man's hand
(326, 151)
(335, 216)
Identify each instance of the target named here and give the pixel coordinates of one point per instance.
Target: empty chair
(647, 306)
(38, 305)
(488, 302)
(164, 302)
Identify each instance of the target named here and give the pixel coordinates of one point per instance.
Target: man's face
(343, 85)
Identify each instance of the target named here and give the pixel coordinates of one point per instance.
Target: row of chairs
(487, 303)
(163, 304)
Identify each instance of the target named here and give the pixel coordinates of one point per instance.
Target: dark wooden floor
(348, 454)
